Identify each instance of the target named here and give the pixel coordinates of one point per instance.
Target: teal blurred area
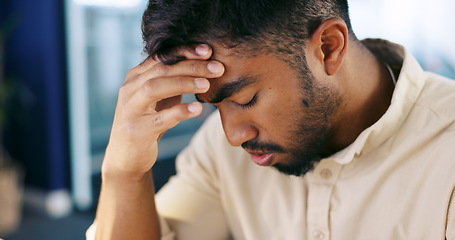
(423, 27)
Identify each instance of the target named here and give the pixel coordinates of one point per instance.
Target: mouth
(262, 159)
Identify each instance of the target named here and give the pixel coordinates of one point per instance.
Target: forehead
(236, 64)
(245, 65)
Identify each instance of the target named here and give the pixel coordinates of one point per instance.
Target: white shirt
(396, 181)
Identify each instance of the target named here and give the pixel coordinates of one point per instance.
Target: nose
(237, 127)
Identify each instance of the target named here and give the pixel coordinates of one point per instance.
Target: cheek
(285, 100)
(279, 112)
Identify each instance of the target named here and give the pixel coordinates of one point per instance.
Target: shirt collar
(408, 87)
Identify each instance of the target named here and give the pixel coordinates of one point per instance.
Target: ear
(329, 44)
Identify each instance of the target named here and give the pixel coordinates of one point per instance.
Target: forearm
(126, 208)
(148, 105)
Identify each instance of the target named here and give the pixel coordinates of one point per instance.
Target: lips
(262, 159)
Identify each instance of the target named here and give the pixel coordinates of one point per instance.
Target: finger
(133, 74)
(177, 54)
(168, 102)
(193, 68)
(144, 65)
(156, 90)
(169, 118)
(200, 51)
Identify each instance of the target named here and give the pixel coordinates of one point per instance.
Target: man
(363, 135)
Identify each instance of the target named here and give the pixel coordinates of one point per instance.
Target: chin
(296, 169)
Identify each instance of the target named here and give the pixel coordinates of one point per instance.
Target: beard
(310, 138)
(309, 133)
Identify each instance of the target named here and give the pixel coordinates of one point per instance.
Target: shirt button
(318, 235)
(325, 173)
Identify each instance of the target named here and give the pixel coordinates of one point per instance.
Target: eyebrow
(230, 88)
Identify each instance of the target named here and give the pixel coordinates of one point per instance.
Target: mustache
(255, 145)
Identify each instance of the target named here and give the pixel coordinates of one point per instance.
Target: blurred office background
(66, 61)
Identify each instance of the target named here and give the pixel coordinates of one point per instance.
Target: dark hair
(278, 26)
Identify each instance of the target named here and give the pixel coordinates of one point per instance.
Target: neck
(368, 87)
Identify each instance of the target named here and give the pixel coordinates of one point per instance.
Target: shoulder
(438, 95)
(430, 92)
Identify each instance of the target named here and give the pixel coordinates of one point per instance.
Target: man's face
(265, 109)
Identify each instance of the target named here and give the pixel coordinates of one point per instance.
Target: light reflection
(109, 3)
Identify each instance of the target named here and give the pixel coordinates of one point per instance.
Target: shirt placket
(321, 183)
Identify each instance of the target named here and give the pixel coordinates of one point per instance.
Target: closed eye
(250, 103)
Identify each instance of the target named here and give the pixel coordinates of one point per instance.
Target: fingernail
(201, 83)
(215, 67)
(202, 49)
(193, 107)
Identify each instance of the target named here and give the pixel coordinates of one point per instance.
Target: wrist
(112, 173)
(125, 166)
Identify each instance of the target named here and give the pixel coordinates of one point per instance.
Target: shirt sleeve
(90, 233)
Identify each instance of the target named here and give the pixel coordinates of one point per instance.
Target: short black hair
(277, 26)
